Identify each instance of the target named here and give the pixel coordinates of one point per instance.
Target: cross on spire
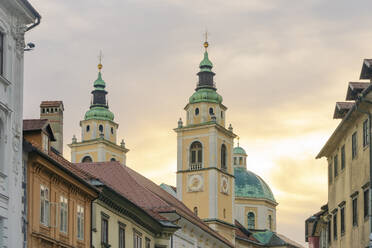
(206, 44)
(100, 56)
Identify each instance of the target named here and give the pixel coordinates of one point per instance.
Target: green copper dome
(239, 150)
(205, 95)
(205, 64)
(99, 113)
(248, 184)
(99, 83)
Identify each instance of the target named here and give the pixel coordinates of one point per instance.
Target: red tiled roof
(243, 235)
(144, 193)
(34, 124)
(61, 161)
(51, 103)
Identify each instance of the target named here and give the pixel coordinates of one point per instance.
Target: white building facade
(16, 18)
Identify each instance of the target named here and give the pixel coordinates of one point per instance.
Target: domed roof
(99, 113)
(239, 150)
(205, 95)
(248, 184)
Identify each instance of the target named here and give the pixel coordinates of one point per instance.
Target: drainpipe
(370, 165)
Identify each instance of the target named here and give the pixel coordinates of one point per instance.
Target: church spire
(205, 74)
(99, 92)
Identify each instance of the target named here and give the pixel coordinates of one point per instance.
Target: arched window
(270, 220)
(112, 159)
(196, 111)
(251, 220)
(88, 128)
(196, 155)
(87, 159)
(100, 128)
(240, 160)
(211, 112)
(223, 157)
(196, 211)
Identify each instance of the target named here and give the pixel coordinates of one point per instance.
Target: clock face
(224, 185)
(195, 183)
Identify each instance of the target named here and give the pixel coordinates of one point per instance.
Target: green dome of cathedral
(248, 184)
(99, 113)
(205, 95)
(239, 150)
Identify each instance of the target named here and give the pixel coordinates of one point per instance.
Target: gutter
(33, 10)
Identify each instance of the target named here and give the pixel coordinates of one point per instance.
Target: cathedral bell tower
(98, 131)
(205, 181)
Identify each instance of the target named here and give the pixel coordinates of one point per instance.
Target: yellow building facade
(98, 131)
(205, 181)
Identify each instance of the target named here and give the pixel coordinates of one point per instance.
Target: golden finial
(100, 56)
(206, 44)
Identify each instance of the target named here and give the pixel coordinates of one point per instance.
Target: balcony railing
(195, 166)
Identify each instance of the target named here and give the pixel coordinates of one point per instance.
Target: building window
(196, 156)
(121, 235)
(335, 165)
(88, 128)
(211, 112)
(330, 173)
(45, 142)
(251, 220)
(329, 232)
(196, 211)
(137, 239)
(44, 205)
(100, 128)
(342, 215)
(63, 213)
(343, 157)
(355, 211)
(365, 133)
(148, 243)
(104, 229)
(1, 54)
(223, 157)
(221, 114)
(335, 226)
(354, 145)
(270, 220)
(366, 202)
(240, 161)
(80, 222)
(224, 213)
(235, 161)
(112, 159)
(196, 111)
(87, 159)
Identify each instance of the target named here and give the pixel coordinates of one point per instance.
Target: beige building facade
(349, 160)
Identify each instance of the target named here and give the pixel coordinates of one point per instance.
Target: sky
(280, 66)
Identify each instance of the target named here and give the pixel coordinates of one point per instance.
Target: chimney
(53, 111)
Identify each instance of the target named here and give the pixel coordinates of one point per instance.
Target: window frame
(63, 214)
(80, 216)
(343, 157)
(196, 155)
(330, 173)
(44, 205)
(104, 229)
(147, 242)
(342, 220)
(2, 53)
(223, 157)
(334, 220)
(365, 133)
(354, 145)
(137, 239)
(366, 203)
(121, 234)
(251, 220)
(354, 204)
(335, 165)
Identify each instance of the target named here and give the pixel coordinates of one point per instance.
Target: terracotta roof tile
(51, 103)
(34, 124)
(144, 193)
